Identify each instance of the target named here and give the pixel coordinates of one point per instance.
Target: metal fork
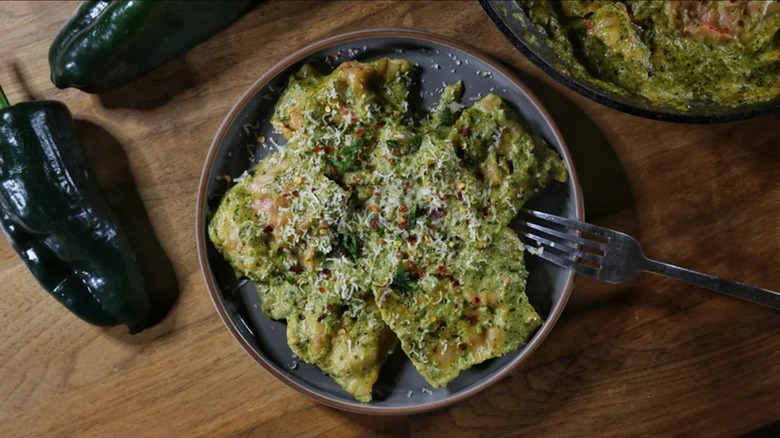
(615, 257)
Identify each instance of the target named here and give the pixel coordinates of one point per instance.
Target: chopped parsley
(351, 245)
(289, 278)
(392, 144)
(414, 144)
(346, 159)
(404, 280)
(446, 116)
(411, 218)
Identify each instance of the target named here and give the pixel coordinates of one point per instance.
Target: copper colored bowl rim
(200, 223)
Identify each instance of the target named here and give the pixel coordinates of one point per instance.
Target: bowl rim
(595, 94)
(200, 219)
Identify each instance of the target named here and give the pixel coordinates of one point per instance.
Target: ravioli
(284, 228)
(470, 308)
(278, 218)
(339, 328)
(374, 225)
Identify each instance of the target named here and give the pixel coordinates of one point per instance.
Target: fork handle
(738, 290)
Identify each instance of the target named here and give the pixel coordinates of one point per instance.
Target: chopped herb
(289, 278)
(446, 116)
(393, 144)
(411, 218)
(346, 159)
(415, 144)
(351, 244)
(404, 280)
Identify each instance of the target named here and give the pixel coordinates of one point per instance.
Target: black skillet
(517, 27)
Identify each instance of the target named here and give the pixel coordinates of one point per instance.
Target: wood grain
(649, 357)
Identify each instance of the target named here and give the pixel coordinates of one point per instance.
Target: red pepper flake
(406, 185)
(441, 271)
(268, 229)
(360, 133)
(328, 149)
(473, 319)
(476, 300)
(403, 225)
(322, 290)
(445, 197)
(317, 149)
(321, 317)
(329, 308)
(313, 189)
(322, 215)
(297, 269)
(295, 193)
(301, 316)
(460, 195)
(412, 239)
(374, 223)
(455, 283)
(377, 125)
(403, 209)
(461, 346)
(588, 24)
(465, 132)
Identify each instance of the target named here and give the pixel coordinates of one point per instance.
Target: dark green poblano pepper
(56, 217)
(108, 43)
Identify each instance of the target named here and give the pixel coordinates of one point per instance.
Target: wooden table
(652, 355)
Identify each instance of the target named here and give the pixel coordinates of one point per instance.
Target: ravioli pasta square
(472, 307)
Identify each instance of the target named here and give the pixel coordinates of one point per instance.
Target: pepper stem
(3, 100)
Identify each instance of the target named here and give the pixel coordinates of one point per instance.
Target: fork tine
(562, 262)
(571, 223)
(598, 246)
(595, 258)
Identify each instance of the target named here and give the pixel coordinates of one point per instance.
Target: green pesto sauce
(671, 53)
(374, 226)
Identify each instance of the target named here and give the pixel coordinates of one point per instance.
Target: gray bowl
(400, 389)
